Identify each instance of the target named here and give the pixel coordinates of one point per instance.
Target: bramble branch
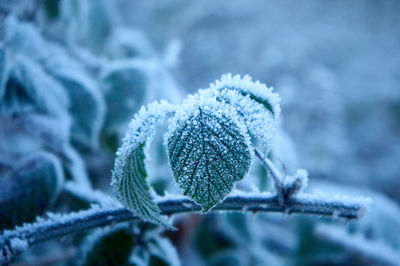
(57, 226)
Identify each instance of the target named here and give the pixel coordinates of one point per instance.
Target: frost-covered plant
(210, 143)
(72, 75)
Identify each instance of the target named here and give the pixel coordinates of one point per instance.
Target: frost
(30, 188)
(86, 104)
(257, 91)
(164, 250)
(209, 150)
(295, 184)
(75, 166)
(28, 88)
(255, 103)
(91, 195)
(129, 174)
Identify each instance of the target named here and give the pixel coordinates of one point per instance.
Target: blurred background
(73, 73)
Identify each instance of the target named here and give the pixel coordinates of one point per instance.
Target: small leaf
(257, 104)
(129, 175)
(27, 191)
(209, 151)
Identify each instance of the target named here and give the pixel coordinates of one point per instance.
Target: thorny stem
(56, 227)
(276, 175)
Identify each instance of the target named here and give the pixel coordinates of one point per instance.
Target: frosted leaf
(163, 250)
(129, 174)
(28, 88)
(87, 105)
(125, 85)
(89, 22)
(209, 151)
(255, 102)
(257, 91)
(87, 108)
(28, 190)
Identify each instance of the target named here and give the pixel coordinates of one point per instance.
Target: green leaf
(129, 174)
(27, 191)
(209, 151)
(125, 84)
(110, 248)
(27, 88)
(87, 108)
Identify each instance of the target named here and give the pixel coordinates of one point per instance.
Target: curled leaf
(129, 174)
(257, 104)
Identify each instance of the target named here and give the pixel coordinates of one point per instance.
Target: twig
(276, 175)
(62, 225)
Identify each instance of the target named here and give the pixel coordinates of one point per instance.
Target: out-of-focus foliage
(73, 73)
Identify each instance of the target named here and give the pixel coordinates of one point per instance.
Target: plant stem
(62, 225)
(276, 175)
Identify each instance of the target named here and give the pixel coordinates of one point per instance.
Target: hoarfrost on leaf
(129, 174)
(209, 150)
(257, 104)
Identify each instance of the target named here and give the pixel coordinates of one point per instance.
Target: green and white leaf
(209, 150)
(86, 103)
(257, 104)
(129, 174)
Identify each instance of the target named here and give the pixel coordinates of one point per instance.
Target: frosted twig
(62, 225)
(276, 175)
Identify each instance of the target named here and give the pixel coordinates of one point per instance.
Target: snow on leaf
(255, 102)
(129, 174)
(209, 150)
(257, 91)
